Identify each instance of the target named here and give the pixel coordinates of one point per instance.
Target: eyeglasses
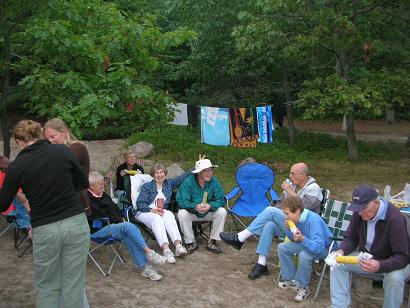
(292, 173)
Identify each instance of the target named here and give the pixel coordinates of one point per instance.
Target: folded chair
(101, 242)
(338, 218)
(18, 220)
(253, 193)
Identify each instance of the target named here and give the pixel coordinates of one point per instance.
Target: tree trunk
(342, 69)
(5, 89)
(289, 108)
(390, 115)
(348, 126)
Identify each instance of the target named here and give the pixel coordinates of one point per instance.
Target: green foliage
(90, 61)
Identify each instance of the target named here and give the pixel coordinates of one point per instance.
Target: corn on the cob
(205, 198)
(292, 226)
(347, 259)
(131, 172)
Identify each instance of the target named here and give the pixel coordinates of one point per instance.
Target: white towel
(136, 183)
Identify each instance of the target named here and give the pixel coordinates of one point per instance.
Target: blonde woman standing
(57, 132)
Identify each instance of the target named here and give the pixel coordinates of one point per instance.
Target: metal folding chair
(101, 242)
(338, 218)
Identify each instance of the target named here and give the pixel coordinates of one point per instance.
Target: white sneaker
(169, 256)
(151, 273)
(303, 293)
(180, 251)
(155, 258)
(288, 284)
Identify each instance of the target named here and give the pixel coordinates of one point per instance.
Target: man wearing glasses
(379, 228)
(271, 222)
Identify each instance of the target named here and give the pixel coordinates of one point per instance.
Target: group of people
(50, 176)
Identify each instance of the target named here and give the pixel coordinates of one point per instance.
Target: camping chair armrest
(232, 193)
(100, 222)
(274, 196)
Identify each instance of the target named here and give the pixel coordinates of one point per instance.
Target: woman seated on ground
(152, 210)
(103, 207)
(129, 164)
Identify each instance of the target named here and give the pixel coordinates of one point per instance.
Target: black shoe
(191, 247)
(258, 270)
(231, 238)
(212, 247)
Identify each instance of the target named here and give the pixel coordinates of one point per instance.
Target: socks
(262, 260)
(244, 235)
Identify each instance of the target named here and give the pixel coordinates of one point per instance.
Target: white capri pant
(218, 218)
(161, 226)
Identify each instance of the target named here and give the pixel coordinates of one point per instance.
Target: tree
(339, 41)
(13, 16)
(90, 60)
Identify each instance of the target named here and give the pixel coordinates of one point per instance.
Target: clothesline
(239, 127)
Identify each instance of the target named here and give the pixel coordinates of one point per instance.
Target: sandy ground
(199, 280)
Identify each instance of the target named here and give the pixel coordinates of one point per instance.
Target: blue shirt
(371, 224)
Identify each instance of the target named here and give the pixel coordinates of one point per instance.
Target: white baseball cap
(203, 164)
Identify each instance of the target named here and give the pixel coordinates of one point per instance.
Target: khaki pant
(218, 222)
(60, 255)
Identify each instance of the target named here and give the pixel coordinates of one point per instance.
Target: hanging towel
(181, 115)
(215, 126)
(243, 127)
(265, 124)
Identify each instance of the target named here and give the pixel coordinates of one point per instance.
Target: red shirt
(11, 208)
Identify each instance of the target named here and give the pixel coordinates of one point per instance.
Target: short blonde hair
(95, 177)
(158, 166)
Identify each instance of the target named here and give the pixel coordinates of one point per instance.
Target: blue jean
(132, 238)
(286, 251)
(269, 223)
(393, 285)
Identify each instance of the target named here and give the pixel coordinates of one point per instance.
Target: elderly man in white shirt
(271, 221)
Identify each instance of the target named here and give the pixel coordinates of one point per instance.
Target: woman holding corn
(310, 238)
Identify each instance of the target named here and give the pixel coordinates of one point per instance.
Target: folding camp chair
(18, 220)
(338, 218)
(101, 242)
(254, 181)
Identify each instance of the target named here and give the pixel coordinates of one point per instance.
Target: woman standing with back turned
(50, 176)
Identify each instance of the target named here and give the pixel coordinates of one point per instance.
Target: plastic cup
(160, 204)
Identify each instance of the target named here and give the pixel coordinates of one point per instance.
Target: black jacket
(50, 176)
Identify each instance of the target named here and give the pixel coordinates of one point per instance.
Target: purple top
(390, 245)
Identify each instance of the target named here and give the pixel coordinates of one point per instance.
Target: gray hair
(128, 153)
(158, 166)
(95, 177)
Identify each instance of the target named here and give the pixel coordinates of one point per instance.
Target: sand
(202, 279)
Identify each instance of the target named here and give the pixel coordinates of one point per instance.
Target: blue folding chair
(19, 221)
(101, 242)
(253, 193)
